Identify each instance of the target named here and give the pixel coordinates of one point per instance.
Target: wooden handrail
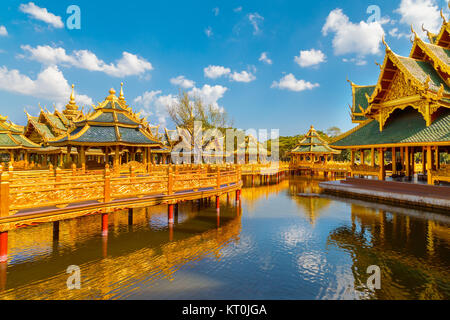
(62, 189)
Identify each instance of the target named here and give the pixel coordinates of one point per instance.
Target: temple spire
(72, 96)
(112, 94)
(121, 97)
(71, 110)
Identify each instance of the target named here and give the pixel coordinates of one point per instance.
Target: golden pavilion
(113, 128)
(404, 119)
(312, 149)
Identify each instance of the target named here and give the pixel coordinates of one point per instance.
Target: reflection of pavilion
(402, 247)
(254, 194)
(310, 205)
(118, 273)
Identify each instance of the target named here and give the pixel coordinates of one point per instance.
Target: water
(277, 245)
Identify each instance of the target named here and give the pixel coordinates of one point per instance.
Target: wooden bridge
(39, 196)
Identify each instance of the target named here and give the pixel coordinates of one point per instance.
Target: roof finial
(379, 65)
(112, 94)
(385, 44)
(414, 32)
(72, 96)
(349, 81)
(121, 97)
(443, 17)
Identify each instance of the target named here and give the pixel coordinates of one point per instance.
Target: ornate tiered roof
(11, 136)
(410, 102)
(312, 143)
(71, 111)
(111, 123)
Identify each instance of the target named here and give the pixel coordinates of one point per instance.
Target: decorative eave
(444, 32)
(435, 60)
(423, 88)
(356, 110)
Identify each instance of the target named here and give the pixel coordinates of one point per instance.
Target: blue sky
(269, 64)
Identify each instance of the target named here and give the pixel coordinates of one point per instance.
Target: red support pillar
(218, 202)
(170, 231)
(238, 195)
(170, 213)
(4, 246)
(104, 224)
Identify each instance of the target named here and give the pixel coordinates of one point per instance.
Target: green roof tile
(408, 126)
(360, 97)
(421, 70)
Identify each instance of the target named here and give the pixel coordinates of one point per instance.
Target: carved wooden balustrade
(329, 166)
(60, 190)
(269, 168)
(365, 170)
(442, 174)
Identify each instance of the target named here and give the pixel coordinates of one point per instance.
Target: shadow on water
(286, 240)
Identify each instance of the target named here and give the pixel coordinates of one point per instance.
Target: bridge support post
(170, 213)
(4, 246)
(217, 203)
(130, 216)
(56, 231)
(238, 195)
(104, 224)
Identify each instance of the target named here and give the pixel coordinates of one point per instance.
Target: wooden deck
(398, 193)
(28, 200)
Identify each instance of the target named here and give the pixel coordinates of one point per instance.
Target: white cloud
(209, 94)
(50, 84)
(396, 34)
(3, 31)
(182, 82)
(216, 11)
(361, 38)
(356, 61)
(309, 58)
(238, 9)
(152, 103)
(208, 32)
(128, 65)
(418, 12)
(214, 72)
(242, 76)
(264, 58)
(289, 82)
(41, 14)
(255, 20)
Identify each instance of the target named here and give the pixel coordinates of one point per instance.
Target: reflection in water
(279, 245)
(412, 253)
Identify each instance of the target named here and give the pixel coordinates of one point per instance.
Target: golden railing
(365, 170)
(62, 188)
(269, 168)
(329, 166)
(442, 174)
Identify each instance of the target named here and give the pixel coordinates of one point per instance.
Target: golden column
(429, 164)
